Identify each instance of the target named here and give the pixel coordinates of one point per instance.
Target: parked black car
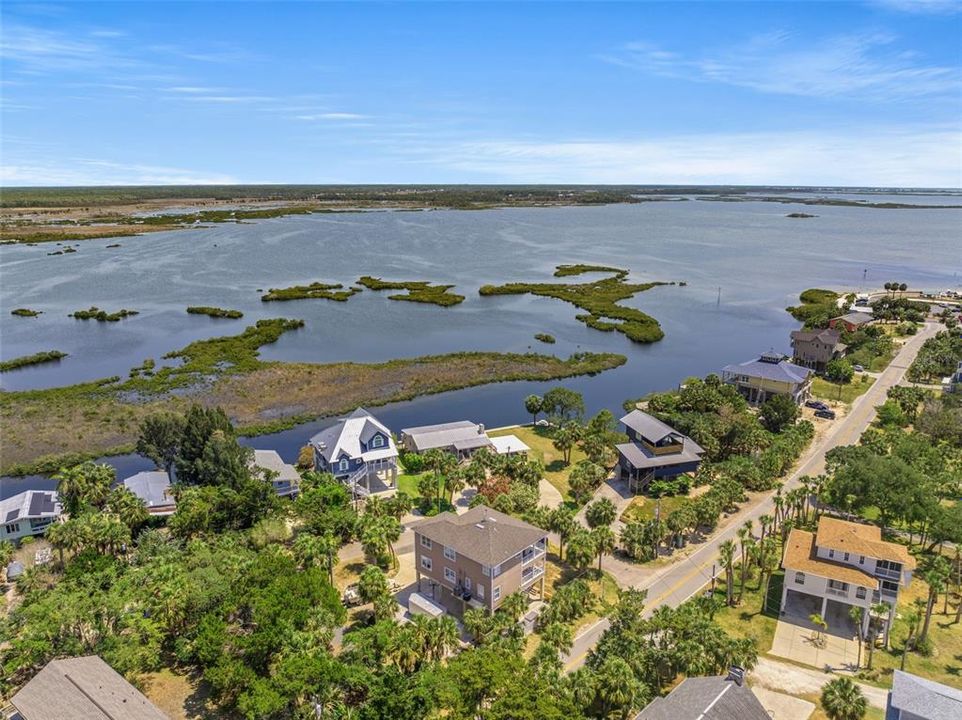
(827, 414)
(817, 404)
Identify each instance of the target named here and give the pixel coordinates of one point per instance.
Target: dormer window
(344, 465)
(377, 441)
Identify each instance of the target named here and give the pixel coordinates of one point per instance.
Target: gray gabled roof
(649, 427)
(783, 371)
(829, 336)
(481, 534)
(923, 698)
(82, 688)
(271, 460)
(348, 433)
(152, 487)
(641, 458)
(856, 318)
(706, 698)
(461, 435)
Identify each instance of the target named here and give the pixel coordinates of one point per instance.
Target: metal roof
(481, 534)
(347, 435)
(508, 444)
(152, 487)
(270, 460)
(82, 688)
(649, 427)
(30, 504)
(783, 371)
(923, 698)
(641, 458)
(462, 435)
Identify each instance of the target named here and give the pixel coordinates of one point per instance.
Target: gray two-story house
(816, 348)
(359, 451)
(28, 514)
(477, 559)
(655, 450)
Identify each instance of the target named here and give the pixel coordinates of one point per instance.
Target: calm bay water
(758, 258)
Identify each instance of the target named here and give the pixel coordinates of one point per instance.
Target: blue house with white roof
(358, 451)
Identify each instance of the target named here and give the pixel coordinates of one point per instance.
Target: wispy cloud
(86, 171)
(909, 157)
(38, 50)
(926, 7)
(861, 65)
(346, 116)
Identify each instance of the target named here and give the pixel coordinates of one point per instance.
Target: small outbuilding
(153, 489)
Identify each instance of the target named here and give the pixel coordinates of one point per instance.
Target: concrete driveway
(796, 641)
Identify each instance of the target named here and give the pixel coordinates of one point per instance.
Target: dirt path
(795, 680)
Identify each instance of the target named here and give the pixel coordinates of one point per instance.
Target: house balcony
(531, 554)
(836, 592)
(530, 574)
(888, 574)
(885, 596)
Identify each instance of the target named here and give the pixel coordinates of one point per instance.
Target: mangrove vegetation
(35, 359)
(323, 291)
(417, 291)
(599, 299)
(95, 313)
(214, 312)
(26, 312)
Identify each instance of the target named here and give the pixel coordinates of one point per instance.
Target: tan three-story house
(477, 559)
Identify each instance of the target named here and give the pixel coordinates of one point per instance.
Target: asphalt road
(682, 579)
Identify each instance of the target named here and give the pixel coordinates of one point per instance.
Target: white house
(359, 451)
(28, 513)
(843, 564)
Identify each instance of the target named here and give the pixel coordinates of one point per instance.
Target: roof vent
(480, 526)
(737, 674)
(771, 357)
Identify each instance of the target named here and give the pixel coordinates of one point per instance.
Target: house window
(481, 591)
(861, 559)
(467, 584)
(888, 565)
(12, 528)
(495, 571)
(889, 587)
(425, 542)
(344, 464)
(449, 553)
(426, 563)
(799, 578)
(496, 593)
(831, 553)
(860, 593)
(377, 441)
(486, 571)
(837, 585)
(845, 557)
(450, 576)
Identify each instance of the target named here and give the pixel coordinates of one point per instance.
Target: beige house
(477, 559)
(816, 348)
(769, 375)
(843, 564)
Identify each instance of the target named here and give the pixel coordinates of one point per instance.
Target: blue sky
(815, 93)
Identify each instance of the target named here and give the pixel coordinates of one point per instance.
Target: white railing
(353, 481)
(527, 558)
(531, 574)
(888, 574)
(837, 592)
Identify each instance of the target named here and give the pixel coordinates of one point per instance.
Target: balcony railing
(531, 574)
(888, 574)
(887, 595)
(529, 556)
(837, 592)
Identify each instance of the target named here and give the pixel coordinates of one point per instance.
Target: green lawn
(643, 508)
(747, 619)
(408, 483)
(822, 388)
(539, 440)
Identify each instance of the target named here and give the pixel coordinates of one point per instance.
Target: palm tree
(84, 484)
(617, 687)
(726, 552)
(912, 618)
(768, 564)
(477, 622)
(876, 612)
(514, 606)
(581, 548)
(603, 539)
(857, 613)
(564, 440)
(128, 507)
(562, 522)
(558, 637)
(820, 626)
(936, 575)
(842, 700)
(442, 636)
(54, 534)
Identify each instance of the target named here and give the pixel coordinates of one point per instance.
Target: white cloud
(333, 116)
(860, 65)
(920, 157)
(930, 7)
(81, 171)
